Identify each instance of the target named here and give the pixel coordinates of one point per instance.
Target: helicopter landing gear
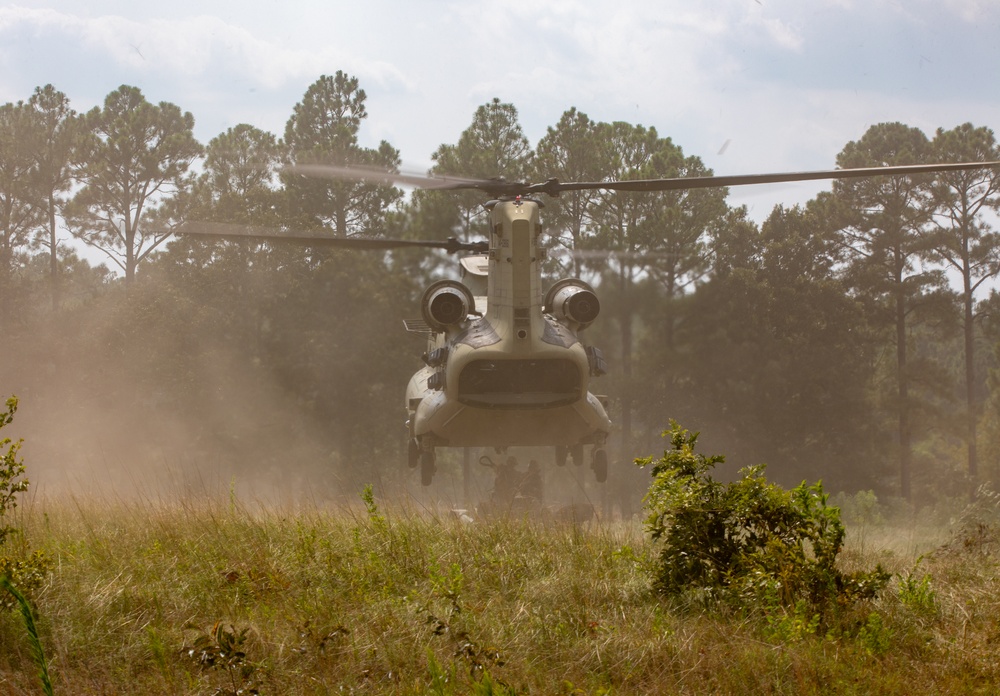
(413, 453)
(427, 467)
(576, 451)
(600, 464)
(562, 453)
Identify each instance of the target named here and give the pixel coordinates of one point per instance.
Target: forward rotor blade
(244, 233)
(699, 182)
(378, 176)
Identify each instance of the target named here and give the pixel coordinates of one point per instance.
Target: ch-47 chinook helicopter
(504, 365)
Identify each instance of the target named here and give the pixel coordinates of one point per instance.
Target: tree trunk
(623, 487)
(626, 346)
(5, 283)
(902, 382)
(970, 387)
(130, 261)
(53, 255)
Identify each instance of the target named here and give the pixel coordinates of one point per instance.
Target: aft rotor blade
(379, 176)
(245, 233)
(698, 182)
(491, 187)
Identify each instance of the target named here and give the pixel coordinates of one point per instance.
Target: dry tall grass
(217, 597)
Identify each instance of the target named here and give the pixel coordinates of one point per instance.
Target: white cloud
(194, 46)
(782, 34)
(971, 11)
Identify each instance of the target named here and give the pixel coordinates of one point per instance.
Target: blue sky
(747, 85)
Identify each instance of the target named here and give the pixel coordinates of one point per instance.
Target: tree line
(850, 339)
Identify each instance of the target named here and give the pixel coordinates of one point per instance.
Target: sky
(748, 86)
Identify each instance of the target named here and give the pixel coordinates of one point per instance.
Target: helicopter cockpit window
(513, 383)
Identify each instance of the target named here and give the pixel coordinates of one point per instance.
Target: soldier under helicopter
(513, 490)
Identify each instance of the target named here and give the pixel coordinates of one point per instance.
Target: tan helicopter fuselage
(508, 373)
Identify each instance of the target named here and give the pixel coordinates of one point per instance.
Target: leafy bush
(223, 650)
(28, 573)
(875, 637)
(862, 508)
(917, 594)
(11, 469)
(749, 543)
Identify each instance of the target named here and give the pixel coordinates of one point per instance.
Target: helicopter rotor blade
(699, 182)
(500, 188)
(553, 187)
(380, 176)
(244, 233)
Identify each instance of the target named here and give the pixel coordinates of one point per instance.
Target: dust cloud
(97, 419)
(118, 412)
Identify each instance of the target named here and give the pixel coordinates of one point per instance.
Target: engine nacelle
(446, 303)
(573, 300)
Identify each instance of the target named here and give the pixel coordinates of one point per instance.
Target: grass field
(221, 597)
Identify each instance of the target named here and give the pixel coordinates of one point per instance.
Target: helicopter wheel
(413, 453)
(427, 467)
(576, 451)
(562, 453)
(600, 464)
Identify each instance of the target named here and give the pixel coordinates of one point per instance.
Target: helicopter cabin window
(514, 383)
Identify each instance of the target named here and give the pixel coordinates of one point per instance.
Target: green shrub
(862, 508)
(11, 469)
(224, 650)
(917, 594)
(27, 573)
(875, 637)
(749, 544)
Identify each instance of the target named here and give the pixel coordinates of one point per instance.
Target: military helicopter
(504, 365)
